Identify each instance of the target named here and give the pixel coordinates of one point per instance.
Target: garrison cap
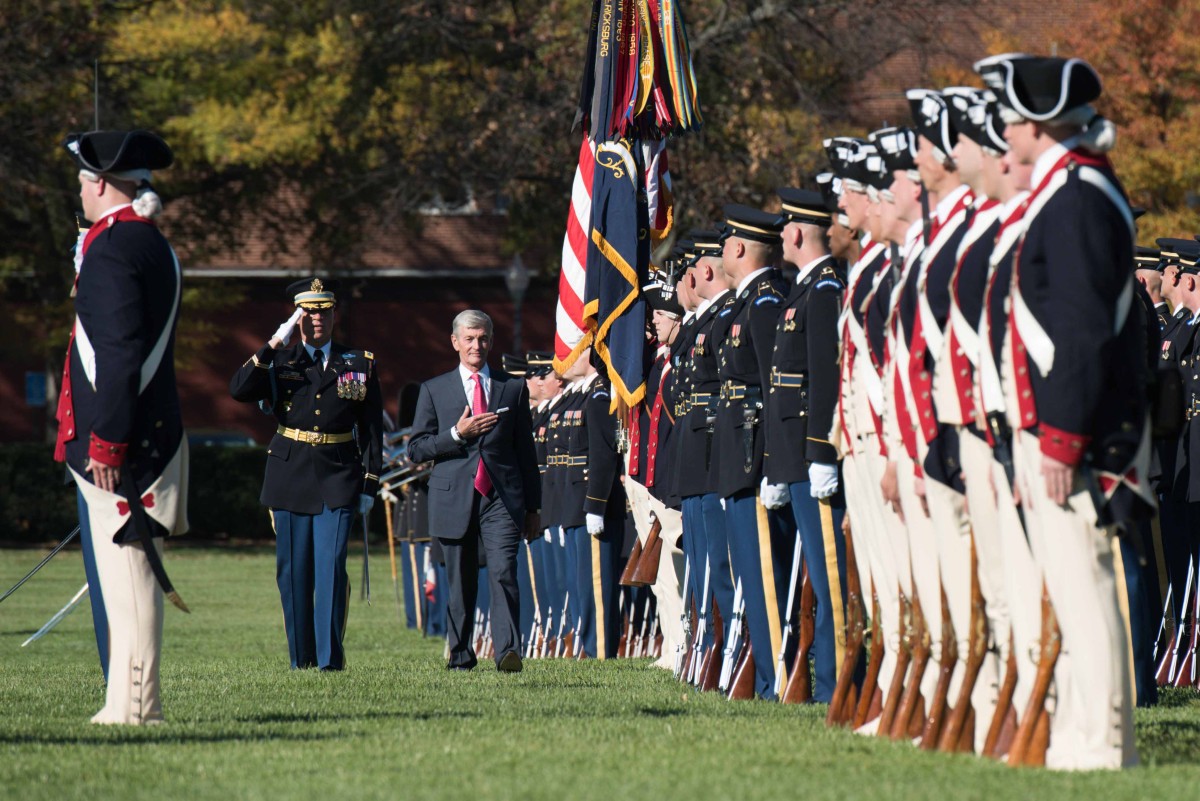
(803, 206)
(897, 147)
(514, 365)
(1040, 88)
(931, 116)
(707, 242)
(539, 362)
(116, 152)
(745, 222)
(313, 293)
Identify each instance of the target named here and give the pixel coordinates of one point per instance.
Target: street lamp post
(516, 278)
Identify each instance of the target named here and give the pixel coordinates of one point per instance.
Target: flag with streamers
(638, 89)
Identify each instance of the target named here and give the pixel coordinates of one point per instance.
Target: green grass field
(396, 724)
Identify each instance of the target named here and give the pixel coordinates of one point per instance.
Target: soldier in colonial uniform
(322, 464)
(119, 426)
(1082, 427)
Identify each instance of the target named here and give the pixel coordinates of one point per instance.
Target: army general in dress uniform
(322, 465)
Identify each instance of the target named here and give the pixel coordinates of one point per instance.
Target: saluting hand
(469, 427)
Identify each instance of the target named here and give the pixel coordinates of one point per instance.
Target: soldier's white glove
(824, 479)
(388, 496)
(595, 524)
(284, 332)
(365, 503)
(773, 496)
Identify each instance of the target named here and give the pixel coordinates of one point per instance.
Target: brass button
(318, 396)
(318, 411)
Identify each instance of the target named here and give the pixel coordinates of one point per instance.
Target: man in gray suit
(474, 425)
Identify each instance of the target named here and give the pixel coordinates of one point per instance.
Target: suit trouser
(923, 556)
(133, 603)
(493, 529)
(95, 595)
(1091, 725)
(976, 458)
(824, 547)
(310, 569)
(668, 589)
(758, 551)
(598, 630)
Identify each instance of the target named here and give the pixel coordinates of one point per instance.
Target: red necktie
(483, 482)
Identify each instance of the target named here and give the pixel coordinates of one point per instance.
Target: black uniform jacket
(744, 358)
(303, 477)
(804, 361)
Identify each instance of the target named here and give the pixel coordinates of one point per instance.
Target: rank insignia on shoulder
(369, 355)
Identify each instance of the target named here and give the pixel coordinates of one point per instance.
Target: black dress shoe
(463, 667)
(509, 663)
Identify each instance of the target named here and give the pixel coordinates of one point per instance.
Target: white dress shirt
(468, 381)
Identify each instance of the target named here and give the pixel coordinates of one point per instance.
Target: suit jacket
(507, 451)
(300, 477)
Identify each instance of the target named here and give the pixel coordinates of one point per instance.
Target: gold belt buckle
(311, 437)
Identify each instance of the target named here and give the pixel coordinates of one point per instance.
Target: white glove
(365, 503)
(284, 332)
(388, 495)
(595, 524)
(773, 496)
(549, 537)
(824, 478)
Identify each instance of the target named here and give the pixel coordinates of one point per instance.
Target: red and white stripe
(569, 326)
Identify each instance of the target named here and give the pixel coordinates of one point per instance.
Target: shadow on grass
(652, 712)
(320, 717)
(159, 735)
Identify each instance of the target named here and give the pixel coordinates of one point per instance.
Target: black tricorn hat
(661, 297)
(1040, 88)
(313, 293)
(119, 151)
(803, 206)
(931, 116)
(897, 147)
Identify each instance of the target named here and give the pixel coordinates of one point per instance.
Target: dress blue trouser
(551, 595)
(533, 555)
(310, 569)
(525, 592)
(1142, 623)
(758, 549)
(695, 548)
(435, 607)
(820, 527)
(598, 613)
(564, 608)
(411, 581)
(99, 616)
(716, 539)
